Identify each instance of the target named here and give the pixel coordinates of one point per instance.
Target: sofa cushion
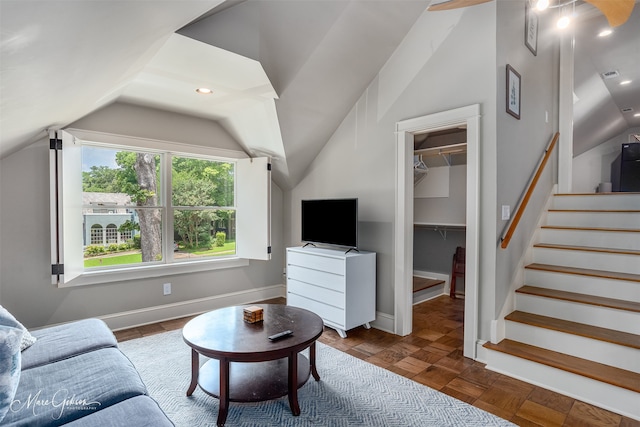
(10, 339)
(63, 341)
(60, 392)
(8, 319)
(139, 411)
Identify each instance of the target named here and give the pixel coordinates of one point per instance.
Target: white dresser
(339, 287)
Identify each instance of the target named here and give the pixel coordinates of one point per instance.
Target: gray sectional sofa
(75, 375)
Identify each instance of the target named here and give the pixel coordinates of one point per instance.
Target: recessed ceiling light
(636, 115)
(542, 4)
(563, 22)
(204, 91)
(625, 82)
(605, 33)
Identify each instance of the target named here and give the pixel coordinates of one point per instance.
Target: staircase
(576, 327)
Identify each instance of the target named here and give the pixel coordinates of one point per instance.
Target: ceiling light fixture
(563, 22)
(542, 4)
(636, 115)
(204, 91)
(625, 82)
(605, 33)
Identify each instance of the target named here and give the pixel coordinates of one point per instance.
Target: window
(201, 191)
(96, 234)
(146, 207)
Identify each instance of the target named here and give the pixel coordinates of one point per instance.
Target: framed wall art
(530, 29)
(513, 92)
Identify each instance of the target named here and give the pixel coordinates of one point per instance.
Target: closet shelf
(441, 228)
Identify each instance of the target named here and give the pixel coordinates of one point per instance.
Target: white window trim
(154, 270)
(88, 277)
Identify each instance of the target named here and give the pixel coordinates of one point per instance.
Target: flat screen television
(330, 222)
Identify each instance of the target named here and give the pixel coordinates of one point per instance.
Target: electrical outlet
(166, 289)
(506, 214)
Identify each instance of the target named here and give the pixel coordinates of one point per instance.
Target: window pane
(204, 233)
(117, 185)
(198, 182)
(133, 238)
(112, 178)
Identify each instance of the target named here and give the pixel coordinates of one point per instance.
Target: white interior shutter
(253, 202)
(65, 162)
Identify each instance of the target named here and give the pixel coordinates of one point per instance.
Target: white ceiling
(598, 114)
(305, 64)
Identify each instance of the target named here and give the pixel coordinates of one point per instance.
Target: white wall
(443, 210)
(594, 166)
(24, 233)
(446, 61)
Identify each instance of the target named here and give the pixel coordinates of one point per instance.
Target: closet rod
(437, 151)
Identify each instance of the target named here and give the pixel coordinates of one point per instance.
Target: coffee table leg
(195, 368)
(224, 392)
(312, 361)
(293, 384)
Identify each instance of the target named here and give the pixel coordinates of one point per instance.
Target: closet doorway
(439, 213)
(406, 132)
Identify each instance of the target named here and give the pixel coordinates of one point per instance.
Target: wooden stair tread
(595, 210)
(422, 283)
(606, 229)
(581, 298)
(585, 272)
(613, 193)
(597, 371)
(588, 331)
(588, 249)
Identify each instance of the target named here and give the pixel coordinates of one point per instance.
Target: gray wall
(433, 251)
(521, 143)
(24, 242)
(446, 61)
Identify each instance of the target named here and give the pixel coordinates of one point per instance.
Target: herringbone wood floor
(432, 355)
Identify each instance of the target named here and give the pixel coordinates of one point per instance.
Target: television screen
(330, 221)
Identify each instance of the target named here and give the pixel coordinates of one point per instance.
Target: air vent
(610, 74)
(627, 110)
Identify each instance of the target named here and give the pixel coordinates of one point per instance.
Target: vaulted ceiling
(304, 65)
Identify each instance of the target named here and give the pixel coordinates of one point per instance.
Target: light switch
(506, 213)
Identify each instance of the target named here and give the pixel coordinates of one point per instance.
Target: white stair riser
(622, 263)
(604, 317)
(585, 348)
(600, 239)
(595, 219)
(607, 288)
(616, 399)
(614, 202)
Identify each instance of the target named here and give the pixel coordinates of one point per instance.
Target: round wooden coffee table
(278, 368)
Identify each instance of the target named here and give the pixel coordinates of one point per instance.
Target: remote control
(280, 335)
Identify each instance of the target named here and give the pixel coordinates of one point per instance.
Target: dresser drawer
(332, 314)
(316, 293)
(332, 281)
(316, 262)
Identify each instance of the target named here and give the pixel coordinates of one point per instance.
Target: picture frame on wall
(513, 92)
(530, 29)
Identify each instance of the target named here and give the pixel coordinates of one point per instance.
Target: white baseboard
(145, 316)
(481, 352)
(385, 322)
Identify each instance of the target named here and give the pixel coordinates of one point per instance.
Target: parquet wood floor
(432, 355)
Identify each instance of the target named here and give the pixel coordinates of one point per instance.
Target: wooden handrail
(522, 205)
